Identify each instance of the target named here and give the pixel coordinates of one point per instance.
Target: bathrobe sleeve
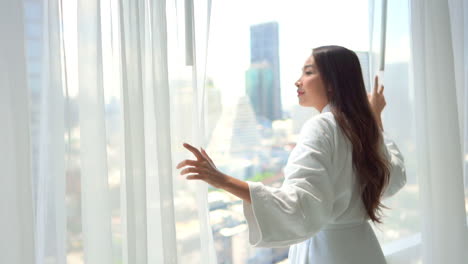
(279, 217)
(397, 167)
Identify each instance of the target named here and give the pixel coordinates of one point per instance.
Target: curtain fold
(16, 196)
(134, 184)
(457, 13)
(50, 189)
(95, 207)
(444, 233)
(162, 138)
(198, 17)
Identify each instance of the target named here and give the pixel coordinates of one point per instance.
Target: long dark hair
(342, 75)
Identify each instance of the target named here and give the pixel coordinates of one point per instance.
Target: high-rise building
(33, 46)
(213, 108)
(259, 83)
(182, 109)
(363, 57)
(236, 140)
(263, 77)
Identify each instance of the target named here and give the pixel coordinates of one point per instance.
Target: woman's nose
(297, 84)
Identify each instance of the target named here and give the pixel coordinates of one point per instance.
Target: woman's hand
(204, 166)
(208, 172)
(377, 98)
(377, 101)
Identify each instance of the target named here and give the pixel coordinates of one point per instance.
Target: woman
(336, 176)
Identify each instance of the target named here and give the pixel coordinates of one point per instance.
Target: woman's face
(310, 87)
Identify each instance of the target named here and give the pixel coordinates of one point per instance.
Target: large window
(254, 115)
(255, 54)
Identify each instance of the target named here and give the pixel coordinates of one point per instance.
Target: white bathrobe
(318, 211)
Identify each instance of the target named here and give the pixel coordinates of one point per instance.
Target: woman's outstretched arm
(279, 217)
(208, 172)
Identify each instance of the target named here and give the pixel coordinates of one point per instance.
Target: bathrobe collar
(327, 108)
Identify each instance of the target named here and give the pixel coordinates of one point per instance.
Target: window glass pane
(252, 132)
(402, 219)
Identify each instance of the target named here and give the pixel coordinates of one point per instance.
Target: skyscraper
(363, 57)
(263, 77)
(33, 46)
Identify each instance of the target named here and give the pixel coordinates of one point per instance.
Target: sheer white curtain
(119, 88)
(48, 137)
(439, 59)
(16, 215)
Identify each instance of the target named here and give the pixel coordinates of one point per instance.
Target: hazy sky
(303, 25)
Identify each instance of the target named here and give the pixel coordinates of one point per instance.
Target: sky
(303, 25)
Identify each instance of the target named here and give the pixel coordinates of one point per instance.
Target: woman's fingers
(377, 98)
(194, 177)
(201, 169)
(211, 177)
(378, 89)
(376, 84)
(207, 157)
(187, 163)
(194, 151)
(381, 89)
(198, 170)
(205, 154)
